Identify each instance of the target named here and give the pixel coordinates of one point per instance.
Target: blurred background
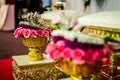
(11, 9)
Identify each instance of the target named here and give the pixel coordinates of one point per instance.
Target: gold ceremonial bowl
(77, 72)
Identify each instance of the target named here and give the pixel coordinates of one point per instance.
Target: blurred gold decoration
(35, 70)
(110, 35)
(58, 7)
(81, 72)
(35, 47)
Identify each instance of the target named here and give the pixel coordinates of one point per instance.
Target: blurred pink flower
(50, 48)
(49, 30)
(78, 56)
(72, 22)
(26, 33)
(40, 32)
(52, 51)
(34, 33)
(96, 55)
(67, 54)
(89, 56)
(60, 45)
(41, 21)
(55, 21)
(26, 16)
(104, 59)
(56, 54)
(46, 33)
(36, 15)
(18, 32)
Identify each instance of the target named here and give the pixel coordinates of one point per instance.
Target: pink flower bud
(56, 21)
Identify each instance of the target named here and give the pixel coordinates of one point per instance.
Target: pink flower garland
(19, 32)
(78, 56)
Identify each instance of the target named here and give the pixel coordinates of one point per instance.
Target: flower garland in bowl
(31, 32)
(32, 25)
(78, 47)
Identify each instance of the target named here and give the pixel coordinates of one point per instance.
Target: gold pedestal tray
(45, 69)
(35, 47)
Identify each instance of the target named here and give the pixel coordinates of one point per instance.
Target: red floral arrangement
(78, 47)
(32, 25)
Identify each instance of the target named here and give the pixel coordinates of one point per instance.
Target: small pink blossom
(34, 33)
(55, 21)
(104, 59)
(36, 15)
(100, 56)
(46, 33)
(18, 32)
(96, 55)
(52, 51)
(89, 56)
(72, 22)
(26, 16)
(49, 30)
(26, 33)
(60, 45)
(41, 21)
(40, 32)
(56, 54)
(67, 54)
(78, 56)
(50, 48)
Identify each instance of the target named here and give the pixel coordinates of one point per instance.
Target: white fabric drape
(3, 15)
(2, 2)
(104, 5)
(76, 5)
(7, 17)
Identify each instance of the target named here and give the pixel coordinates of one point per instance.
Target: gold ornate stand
(35, 47)
(81, 72)
(23, 69)
(35, 54)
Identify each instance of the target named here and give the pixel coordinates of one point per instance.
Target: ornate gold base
(35, 54)
(34, 45)
(23, 69)
(81, 72)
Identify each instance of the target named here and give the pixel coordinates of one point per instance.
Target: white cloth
(3, 15)
(10, 19)
(7, 17)
(104, 5)
(2, 2)
(107, 19)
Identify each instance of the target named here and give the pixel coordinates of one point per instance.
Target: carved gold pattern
(113, 34)
(46, 71)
